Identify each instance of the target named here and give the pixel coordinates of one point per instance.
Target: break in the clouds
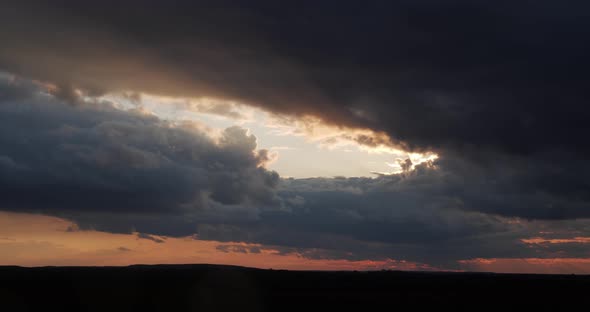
(497, 89)
(124, 172)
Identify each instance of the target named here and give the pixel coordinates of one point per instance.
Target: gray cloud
(150, 237)
(499, 86)
(506, 76)
(227, 248)
(96, 158)
(497, 89)
(124, 172)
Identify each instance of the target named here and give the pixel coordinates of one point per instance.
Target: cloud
(217, 108)
(124, 172)
(432, 75)
(529, 265)
(97, 159)
(543, 241)
(497, 91)
(488, 83)
(228, 248)
(426, 215)
(150, 237)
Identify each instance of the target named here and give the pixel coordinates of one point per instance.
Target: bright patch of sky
(303, 150)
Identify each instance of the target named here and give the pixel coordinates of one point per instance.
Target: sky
(331, 135)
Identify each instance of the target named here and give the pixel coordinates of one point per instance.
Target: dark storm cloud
(150, 237)
(121, 171)
(496, 88)
(425, 215)
(96, 158)
(551, 186)
(504, 75)
(501, 85)
(412, 217)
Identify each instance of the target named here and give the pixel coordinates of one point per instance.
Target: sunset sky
(321, 135)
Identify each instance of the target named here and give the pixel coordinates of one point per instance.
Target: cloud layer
(98, 158)
(506, 76)
(496, 89)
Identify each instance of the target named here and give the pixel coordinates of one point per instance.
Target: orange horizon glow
(32, 240)
(528, 265)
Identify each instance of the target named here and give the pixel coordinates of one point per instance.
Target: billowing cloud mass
(496, 89)
(97, 158)
(507, 76)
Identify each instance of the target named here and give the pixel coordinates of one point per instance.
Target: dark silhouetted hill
(229, 288)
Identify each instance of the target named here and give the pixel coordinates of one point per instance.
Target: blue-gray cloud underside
(123, 171)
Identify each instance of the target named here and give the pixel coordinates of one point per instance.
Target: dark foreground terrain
(226, 288)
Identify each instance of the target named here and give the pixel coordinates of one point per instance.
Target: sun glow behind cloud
(301, 147)
(302, 136)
